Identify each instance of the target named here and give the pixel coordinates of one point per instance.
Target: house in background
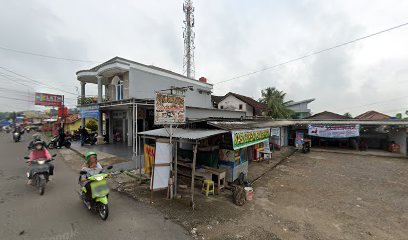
(326, 115)
(237, 102)
(300, 108)
(372, 115)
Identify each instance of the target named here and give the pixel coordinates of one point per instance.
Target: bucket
(249, 193)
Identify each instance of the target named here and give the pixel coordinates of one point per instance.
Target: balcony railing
(90, 100)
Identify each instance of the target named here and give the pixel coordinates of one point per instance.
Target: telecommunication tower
(188, 35)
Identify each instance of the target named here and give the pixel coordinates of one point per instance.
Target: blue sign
(89, 114)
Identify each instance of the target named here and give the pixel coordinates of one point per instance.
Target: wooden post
(193, 174)
(140, 160)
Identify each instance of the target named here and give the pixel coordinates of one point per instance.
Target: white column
(99, 88)
(100, 137)
(129, 128)
(82, 97)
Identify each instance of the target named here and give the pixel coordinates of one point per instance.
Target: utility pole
(188, 35)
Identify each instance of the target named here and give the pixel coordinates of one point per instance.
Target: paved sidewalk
(116, 155)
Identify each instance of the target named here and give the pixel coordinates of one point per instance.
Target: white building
(301, 108)
(236, 102)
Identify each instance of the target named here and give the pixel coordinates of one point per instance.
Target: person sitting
(91, 167)
(40, 152)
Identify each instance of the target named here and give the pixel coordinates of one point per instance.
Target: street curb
(359, 154)
(76, 151)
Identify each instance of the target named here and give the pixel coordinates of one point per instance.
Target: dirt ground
(308, 196)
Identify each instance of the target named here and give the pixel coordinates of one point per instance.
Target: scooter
(90, 139)
(54, 143)
(39, 173)
(16, 137)
(100, 194)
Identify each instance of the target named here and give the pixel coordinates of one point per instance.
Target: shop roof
(327, 115)
(373, 115)
(192, 134)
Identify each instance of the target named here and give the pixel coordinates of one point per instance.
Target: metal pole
(175, 170)
(193, 174)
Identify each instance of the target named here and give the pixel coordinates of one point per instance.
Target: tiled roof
(259, 107)
(216, 99)
(72, 118)
(373, 115)
(327, 115)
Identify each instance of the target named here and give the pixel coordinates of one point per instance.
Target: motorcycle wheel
(41, 186)
(67, 144)
(51, 145)
(103, 211)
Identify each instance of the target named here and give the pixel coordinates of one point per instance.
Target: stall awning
(192, 134)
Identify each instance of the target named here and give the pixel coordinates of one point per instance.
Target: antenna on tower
(188, 35)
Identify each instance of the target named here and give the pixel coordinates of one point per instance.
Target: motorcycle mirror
(26, 158)
(109, 167)
(54, 155)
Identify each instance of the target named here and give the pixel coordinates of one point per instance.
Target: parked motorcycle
(55, 141)
(17, 137)
(39, 173)
(306, 147)
(76, 136)
(100, 192)
(90, 139)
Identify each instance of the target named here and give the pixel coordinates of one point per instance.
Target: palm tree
(275, 100)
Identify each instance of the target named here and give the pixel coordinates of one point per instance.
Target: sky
(233, 37)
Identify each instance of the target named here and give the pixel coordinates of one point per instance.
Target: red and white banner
(334, 131)
(45, 99)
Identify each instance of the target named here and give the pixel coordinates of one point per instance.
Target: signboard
(334, 131)
(45, 99)
(89, 112)
(275, 132)
(162, 161)
(300, 139)
(245, 138)
(169, 109)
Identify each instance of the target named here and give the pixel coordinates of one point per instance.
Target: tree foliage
(347, 114)
(275, 100)
(92, 125)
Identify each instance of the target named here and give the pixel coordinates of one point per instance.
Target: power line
(315, 53)
(370, 104)
(35, 81)
(47, 56)
(18, 99)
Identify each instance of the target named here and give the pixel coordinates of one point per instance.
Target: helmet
(36, 137)
(38, 142)
(89, 154)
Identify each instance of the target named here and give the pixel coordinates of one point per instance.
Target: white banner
(334, 131)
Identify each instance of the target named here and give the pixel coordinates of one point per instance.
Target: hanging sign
(275, 132)
(169, 109)
(245, 138)
(89, 112)
(334, 131)
(45, 99)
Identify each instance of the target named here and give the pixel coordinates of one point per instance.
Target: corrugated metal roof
(192, 134)
(242, 125)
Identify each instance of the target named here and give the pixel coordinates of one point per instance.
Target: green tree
(275, 100)
(399, 115)
(92, 125)
(347, 114)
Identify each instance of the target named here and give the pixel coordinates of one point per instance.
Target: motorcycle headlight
(99, 178)
(41, 162)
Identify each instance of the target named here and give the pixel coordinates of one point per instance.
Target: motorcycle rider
(91, 167)
(36, 138)
(38, 152)
(61, 137)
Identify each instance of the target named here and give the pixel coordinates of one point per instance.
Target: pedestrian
(61, 137)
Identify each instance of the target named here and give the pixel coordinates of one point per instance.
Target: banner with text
(169, 109)
(334, 131)
(245, 138)
(45, 99)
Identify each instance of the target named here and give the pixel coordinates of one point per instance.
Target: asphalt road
(59, 214)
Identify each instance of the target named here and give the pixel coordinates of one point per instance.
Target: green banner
(245, 138)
